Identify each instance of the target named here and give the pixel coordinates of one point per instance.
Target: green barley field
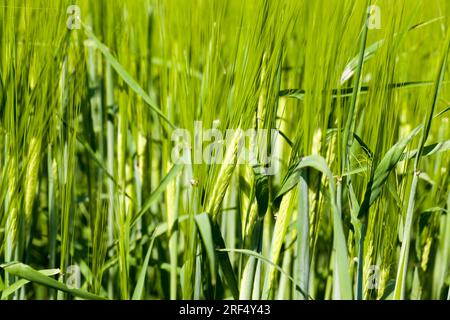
(224, 149)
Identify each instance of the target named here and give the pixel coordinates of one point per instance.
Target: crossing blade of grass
(260, 257)
(348, 92)
(24, 271)
(20, 283)
(172, 174)
(160, 230)
(428, 150)
(382, 171)
(126, 76)
(352, 66)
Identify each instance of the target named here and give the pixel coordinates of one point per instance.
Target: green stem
(359, 276)
(301, 265)
(400, 283)
(110, 168)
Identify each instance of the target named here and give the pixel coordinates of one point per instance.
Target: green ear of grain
(279, 234)
(384, 168)
(224, 175)
(24, 271)
(31, 176)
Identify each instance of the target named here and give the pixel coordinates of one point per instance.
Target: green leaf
(262, 193)
(28, 273)
(20, 283)
(224, 261)
(382, 171)
(217, 242)
(351, 67)
(293, 176)
(139, 289)
(348, 92)
(204, 227)
(428, 150)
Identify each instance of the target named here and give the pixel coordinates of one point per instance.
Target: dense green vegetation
(94, 205)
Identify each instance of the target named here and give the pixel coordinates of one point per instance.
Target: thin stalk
(400, 287)
(283, 292)
(350, 123)
(110, 167)
(52, 219)
(360, 265)
(301, 263)
(173, 247)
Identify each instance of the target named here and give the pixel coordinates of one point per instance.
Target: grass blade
(24, 271)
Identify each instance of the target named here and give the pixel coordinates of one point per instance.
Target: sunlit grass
(357, 207)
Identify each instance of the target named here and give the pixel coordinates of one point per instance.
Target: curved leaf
(24, 271)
